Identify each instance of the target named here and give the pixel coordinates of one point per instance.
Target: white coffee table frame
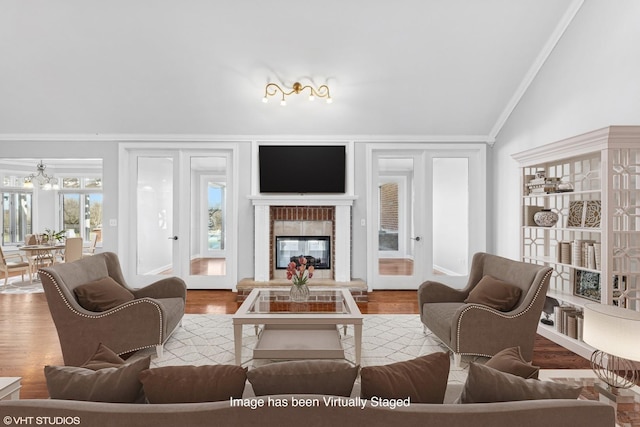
(10, 388)
(316, 333)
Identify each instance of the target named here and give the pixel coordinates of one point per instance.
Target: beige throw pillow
(423, 379)
(485, 385)
(102, 294)
(494, 293)
(331, 377)
(116, 385)
(186, 384)
(510, 360)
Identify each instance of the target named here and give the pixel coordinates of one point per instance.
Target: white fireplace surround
(341, 243)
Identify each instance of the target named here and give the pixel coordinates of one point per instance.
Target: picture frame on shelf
(587, 285)
(584, 214)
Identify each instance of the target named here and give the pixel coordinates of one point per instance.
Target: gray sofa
(547, 413)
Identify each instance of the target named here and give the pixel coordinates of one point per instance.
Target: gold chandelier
(273, 89)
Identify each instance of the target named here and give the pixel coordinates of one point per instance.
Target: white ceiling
(444, 68)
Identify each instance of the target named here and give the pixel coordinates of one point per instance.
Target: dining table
(40, 255)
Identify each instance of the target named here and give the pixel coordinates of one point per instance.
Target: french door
(182, 206)
(420, 225)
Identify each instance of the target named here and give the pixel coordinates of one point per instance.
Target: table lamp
(613, 331)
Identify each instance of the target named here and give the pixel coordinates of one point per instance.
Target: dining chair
(72, 249)
(91, 250)
(37, 259)
(12, 263)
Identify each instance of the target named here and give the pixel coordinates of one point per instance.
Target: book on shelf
(583, 253)
(567, 319)
(563, 252)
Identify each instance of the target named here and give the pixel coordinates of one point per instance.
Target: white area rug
(208, 339)
(17, 286)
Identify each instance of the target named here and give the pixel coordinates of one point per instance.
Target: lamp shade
(613, 330)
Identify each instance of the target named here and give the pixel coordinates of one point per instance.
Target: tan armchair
(14, 263)
(475, 329)
(147, 321)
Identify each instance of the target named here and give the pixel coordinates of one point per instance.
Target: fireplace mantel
(303, 200)
(342, 242)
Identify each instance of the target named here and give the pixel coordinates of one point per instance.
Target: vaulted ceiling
(449, 69)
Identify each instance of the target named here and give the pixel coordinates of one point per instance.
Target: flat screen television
(302, 168)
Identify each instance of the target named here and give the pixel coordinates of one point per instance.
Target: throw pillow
(510, 360)
(486, 385)
(116, 385)
(104, 357)
(331, 377)
(423, 379)
(494, 293)
(186, 384)
(102, 295)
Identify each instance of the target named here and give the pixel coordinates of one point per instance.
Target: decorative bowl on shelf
(565, 187)
(545, 218)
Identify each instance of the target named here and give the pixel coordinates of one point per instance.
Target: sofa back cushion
(189, 384)
(331, 377)
(117, 385)
(423, 379)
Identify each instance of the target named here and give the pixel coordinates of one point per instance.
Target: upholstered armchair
(484, 328)
(143, 318)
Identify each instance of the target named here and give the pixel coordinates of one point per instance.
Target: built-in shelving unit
(592, 183)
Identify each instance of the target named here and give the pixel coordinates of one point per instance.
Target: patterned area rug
(17, 286)
(208, 339)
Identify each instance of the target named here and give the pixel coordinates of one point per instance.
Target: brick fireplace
(322, 214)
(303, 221)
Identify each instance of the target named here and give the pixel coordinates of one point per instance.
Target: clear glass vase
(299, 293)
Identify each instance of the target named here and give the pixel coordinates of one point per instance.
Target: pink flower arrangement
(299, 274)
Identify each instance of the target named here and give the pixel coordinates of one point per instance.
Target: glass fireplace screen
(316, 249)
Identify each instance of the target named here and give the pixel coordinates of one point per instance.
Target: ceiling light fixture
(272, 89)
(45, 181)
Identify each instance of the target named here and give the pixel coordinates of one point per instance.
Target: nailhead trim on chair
(497, 313)
(105, 314)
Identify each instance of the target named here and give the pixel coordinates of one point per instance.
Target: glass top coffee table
(298, 330)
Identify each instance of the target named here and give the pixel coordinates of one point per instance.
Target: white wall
(590, 81)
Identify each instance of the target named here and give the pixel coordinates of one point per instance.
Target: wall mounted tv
(302, 168)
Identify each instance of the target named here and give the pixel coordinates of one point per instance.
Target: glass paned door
(155, 238)
(183, 217)
(399, 237)
(209, 216)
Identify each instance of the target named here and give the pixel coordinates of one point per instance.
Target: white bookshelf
(604, 166)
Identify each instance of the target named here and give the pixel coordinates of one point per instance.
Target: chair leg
(457, 359)
(159, 350)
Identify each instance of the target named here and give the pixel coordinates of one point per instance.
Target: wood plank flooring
(28, 339)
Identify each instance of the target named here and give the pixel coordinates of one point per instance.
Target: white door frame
(477, 155)
(127, 211)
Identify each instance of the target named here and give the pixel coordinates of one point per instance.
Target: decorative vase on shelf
(299, 293)
(545, 218)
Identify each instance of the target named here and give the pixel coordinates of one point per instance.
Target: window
(81, 207)
(16, 216)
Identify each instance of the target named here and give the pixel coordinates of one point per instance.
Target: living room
(475, 80)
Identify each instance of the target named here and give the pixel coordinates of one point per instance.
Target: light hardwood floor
(29, 341)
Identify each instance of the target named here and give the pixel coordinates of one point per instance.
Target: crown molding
(535, 68)
(244, 138)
